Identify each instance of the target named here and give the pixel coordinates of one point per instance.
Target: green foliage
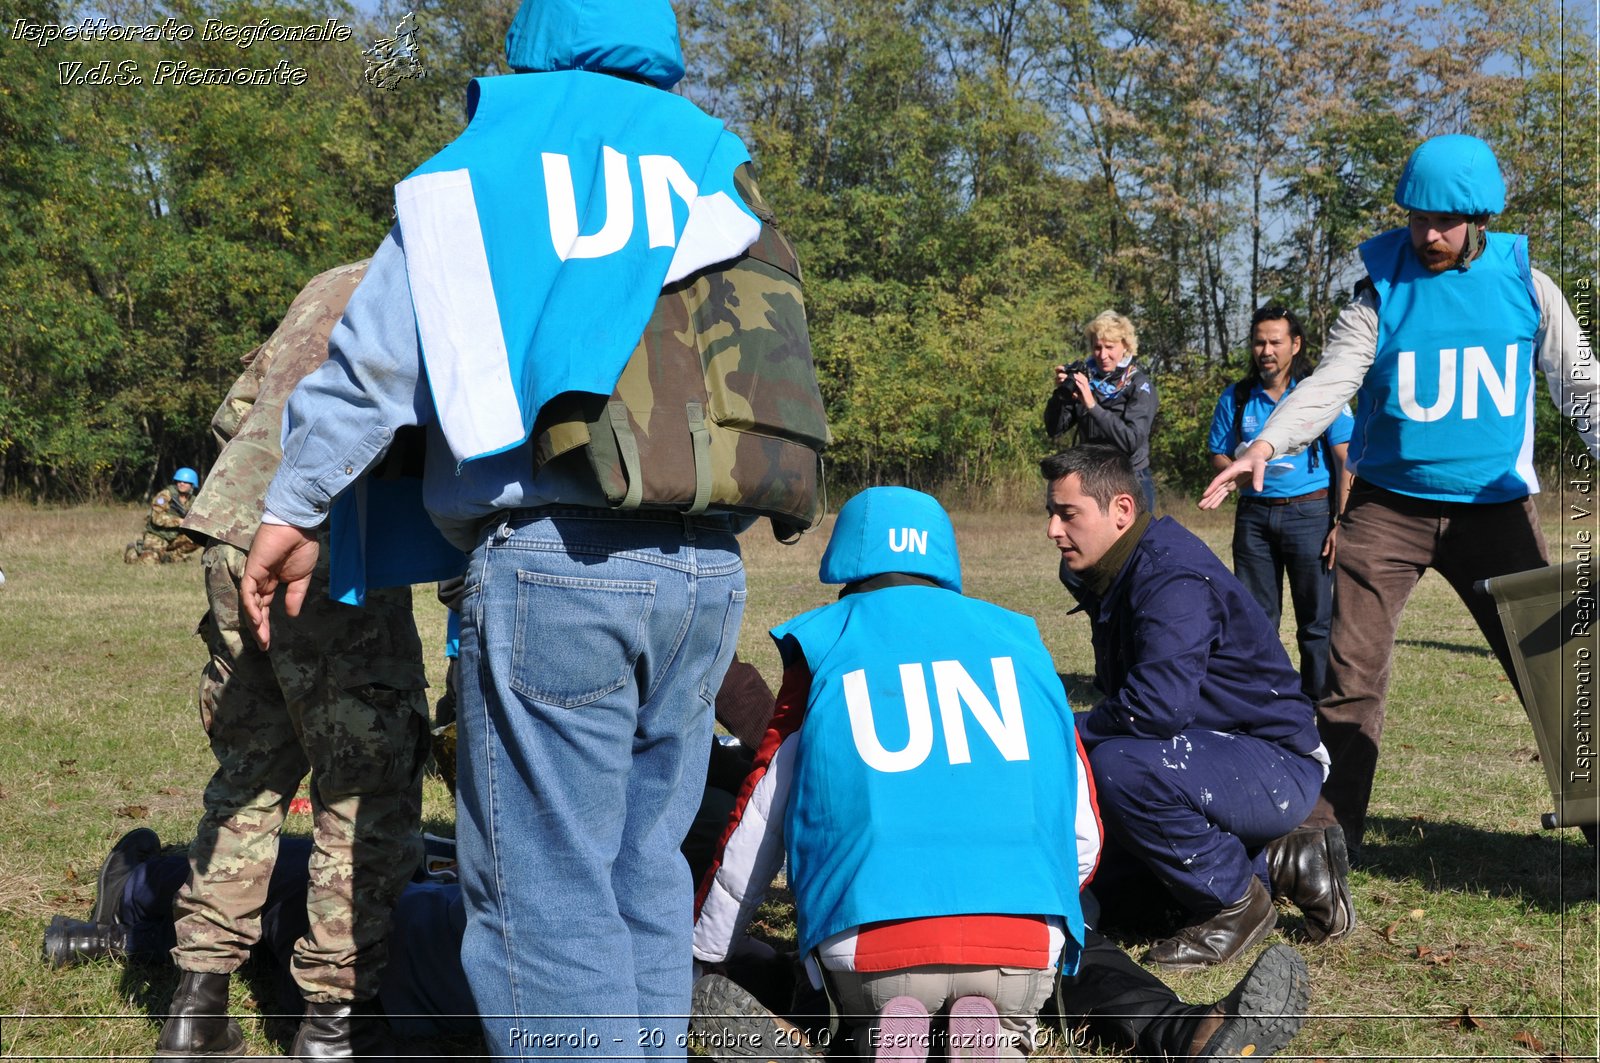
(967, 183)
(1179, 450)
(155, 233)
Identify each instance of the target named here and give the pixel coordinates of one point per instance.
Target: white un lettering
(954, 688)
(660, 176)
(910, 539)
(1478, 374)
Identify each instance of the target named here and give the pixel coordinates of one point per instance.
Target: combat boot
(342, 1029)
(131, 850)
(70, 942)
(1310, 867)
(198, 1027)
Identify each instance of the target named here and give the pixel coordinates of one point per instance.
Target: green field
(1478, 935)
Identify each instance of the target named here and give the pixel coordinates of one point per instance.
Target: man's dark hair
(1104, 473)
(1301, 367)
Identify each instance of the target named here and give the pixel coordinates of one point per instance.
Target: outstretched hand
(1252, 463)
(279, 555)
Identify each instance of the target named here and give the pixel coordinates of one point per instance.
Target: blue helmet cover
(1454, 174)
(892, 529)
(636, 37)
(186, 475)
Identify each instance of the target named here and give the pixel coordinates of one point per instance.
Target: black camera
(1069, 390)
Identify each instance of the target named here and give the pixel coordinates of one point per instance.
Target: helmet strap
(1473, 247)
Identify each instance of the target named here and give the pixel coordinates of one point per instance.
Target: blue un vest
(1446, 411)
(538, 241)
(936, 773)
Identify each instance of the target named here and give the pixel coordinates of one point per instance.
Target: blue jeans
(1147, 485)
(1270, 541)
(592, 647)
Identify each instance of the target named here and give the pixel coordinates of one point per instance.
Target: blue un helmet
(892, 529)
(188, 476)
(1454, 174)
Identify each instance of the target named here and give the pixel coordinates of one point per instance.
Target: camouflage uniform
(340, 693)
(163, 540)
(720, 396)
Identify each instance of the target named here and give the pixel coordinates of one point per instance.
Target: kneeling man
(1203, 749)
(923, 775)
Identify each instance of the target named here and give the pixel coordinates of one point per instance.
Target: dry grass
(1467, 908)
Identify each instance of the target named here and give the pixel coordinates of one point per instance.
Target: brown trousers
(1386, 541)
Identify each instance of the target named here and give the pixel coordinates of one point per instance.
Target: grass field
(1478, 934)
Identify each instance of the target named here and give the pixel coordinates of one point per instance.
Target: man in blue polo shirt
(1287, 526)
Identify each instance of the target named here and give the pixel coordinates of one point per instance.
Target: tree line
(967, 184)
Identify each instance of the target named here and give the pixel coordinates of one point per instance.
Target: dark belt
(1309, 497)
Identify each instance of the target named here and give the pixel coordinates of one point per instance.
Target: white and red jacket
(752, 853)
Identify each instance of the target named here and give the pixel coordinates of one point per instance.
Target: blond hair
(1110, 325)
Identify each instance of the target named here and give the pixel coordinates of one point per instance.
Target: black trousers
(1123, 1005)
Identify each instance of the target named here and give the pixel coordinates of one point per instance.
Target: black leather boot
(198, 1026)
(70, 942)
(1310, 866)
(1221, 937)
(343, 1030)
(131, 850)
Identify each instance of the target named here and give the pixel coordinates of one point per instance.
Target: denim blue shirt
(1287, 475)
(341, 419)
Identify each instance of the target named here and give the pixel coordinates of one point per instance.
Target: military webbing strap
(701, 435)
(628, 451)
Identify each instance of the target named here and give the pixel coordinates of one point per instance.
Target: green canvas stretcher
(1549, 619)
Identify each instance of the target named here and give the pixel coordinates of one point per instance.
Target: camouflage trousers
(153, 550)
(340, 695)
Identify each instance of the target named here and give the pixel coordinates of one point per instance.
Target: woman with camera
(1106, 399)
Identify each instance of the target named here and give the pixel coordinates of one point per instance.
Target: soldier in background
(341, 694)
(163, 540)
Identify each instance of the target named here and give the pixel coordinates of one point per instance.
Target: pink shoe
(902, 1031)
(974, 1030)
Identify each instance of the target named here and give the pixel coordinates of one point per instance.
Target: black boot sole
(730, 1025)
(1339, 863)
(1271, 1007)
(226, 1055)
